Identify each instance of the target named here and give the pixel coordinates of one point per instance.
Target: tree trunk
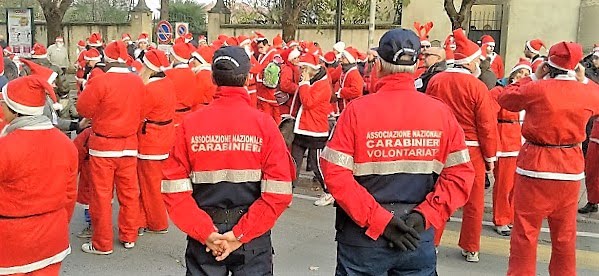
(164, 9)
(54, 27)
(289, 29)
(458, 18)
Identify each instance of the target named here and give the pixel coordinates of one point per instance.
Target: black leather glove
(416, 221)
(400, 235)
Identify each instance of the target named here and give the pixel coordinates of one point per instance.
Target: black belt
(183, 109)
(567, 146)
(226, 216)
(146, 122)
(502, 121)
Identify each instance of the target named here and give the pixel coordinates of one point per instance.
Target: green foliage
(112, 11)
(37, 10)
(190, 12)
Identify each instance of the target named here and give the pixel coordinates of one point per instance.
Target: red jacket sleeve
(278, 171)
(337, 167)
(311, 96)
(499, 68)
(288, 83)
(89, 100)
(455, 181)
(72, 185)
(177, 193)
(486, 123)
(512, 98)
(353, 87)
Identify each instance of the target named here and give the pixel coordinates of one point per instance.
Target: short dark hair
(225, 79)
(554, 72)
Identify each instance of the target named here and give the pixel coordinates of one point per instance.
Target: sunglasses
(425, 46)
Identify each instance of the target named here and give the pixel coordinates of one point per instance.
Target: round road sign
(164, 31)
(181, 29)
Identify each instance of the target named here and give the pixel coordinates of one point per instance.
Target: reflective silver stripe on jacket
(400, 166)
(338, 158)
(276, 187)
(176, 186)
(457, 158)
(234, 176)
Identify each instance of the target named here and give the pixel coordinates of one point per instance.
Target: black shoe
(589, 208)
(487, 182)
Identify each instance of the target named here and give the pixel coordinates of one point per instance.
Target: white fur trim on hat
(531, 49)
(521, 66)
(425, 43)
(98, 58)
(199, 57)
(19, 108)
(178, 58)
(152, 67)
(109, 59)
(52, 77)
(295, 53)
(492, 44)
(39, 56)
(339, 46)
(596, 53)
(98, 44)
(315, 67)
(468, 59)
(560, 68)
(348, 56)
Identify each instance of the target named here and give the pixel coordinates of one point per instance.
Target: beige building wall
(588, 33)
(550, 20)
(429, 10)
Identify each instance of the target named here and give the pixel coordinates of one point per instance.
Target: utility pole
(371, 24)
(338, 20)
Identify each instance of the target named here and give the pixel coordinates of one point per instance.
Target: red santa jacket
(595, 132)
(157, 132)
(390, 156)
(84, 185)
(497, 65)
(186, 88)
(536, 62)
(508, 128)
(251, 82)
(37, 197)
(2, 122)
(290, 77)
(351, 87)
(206, 87)
(557, 111)
(113, 101)
(313, 115)
(231, 163)
(470, 102)
(335, 74)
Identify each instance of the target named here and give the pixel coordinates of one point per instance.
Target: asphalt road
(304, 245)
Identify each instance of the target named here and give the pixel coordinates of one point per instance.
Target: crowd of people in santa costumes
(523, 128)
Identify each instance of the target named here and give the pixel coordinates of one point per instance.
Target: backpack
(271, 75)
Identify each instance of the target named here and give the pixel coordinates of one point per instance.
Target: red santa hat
(182, 51)
(27, 95)
(329, 57)
(524, 63)
(487, 40)
(126, 37)
(95, 40)
(535, 46)
(217, 44)
(156, 60)
(466, 51)
(222, 37)
(565, 56)
(292, 43)
(40, 71)
(186, 38)
(449, 56)
(39, 51)
(423, 32)
(81, 43)
(277, 41)
(116, 51)
(8, 51)
(243, 40)
(310, 60)
(59, 39)
(92, 55)
(231, 41)
(135, 65)
(351, 54)
(143, 37)
(204, 54)
(202, 38)
(259, 37)
(290, 54)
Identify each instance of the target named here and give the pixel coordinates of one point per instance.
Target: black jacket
(422, 82)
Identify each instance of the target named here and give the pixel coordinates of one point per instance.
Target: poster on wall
(19, 24)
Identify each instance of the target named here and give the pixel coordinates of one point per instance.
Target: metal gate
(486, 20)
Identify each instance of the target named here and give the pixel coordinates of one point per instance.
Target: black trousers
(251, 259)
(297, 152)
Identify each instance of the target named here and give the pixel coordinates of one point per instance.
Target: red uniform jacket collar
(401, 81)
(229, 93)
